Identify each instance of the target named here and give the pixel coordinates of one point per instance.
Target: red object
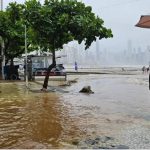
(144, 22)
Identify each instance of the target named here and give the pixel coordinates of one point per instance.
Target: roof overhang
(144, 22)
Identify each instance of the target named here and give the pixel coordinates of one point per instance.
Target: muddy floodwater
(119, 111)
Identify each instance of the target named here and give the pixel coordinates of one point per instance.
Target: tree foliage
(50, 26)
(58, 22)
(12, 30)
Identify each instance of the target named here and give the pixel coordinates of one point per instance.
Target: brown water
(32, 120)
(56, 119)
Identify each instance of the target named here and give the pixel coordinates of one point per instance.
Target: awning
(144, 22)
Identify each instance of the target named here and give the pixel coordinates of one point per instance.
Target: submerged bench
(40, 73)
(51, 77)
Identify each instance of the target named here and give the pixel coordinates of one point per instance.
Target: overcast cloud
(121, 16)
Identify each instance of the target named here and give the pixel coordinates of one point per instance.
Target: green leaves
(13, 11)
(12, 30)
(61, 21)
(51, 25)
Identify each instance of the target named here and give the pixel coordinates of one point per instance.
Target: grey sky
(120, 16)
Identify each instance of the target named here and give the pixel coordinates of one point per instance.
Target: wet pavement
(117, 115)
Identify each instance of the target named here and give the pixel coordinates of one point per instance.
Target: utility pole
(2, 49)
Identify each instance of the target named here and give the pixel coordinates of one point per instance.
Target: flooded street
(119, 109)
(30, 120)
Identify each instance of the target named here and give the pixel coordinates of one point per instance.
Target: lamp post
(2, 50)
(26, 58)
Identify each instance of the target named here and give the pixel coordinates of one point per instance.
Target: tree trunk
(12, 62)
(11, 69)
(49, 70)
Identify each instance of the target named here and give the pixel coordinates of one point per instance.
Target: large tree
(12, 30)
(12, 34)
(58, 22)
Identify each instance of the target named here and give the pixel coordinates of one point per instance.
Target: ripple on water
(47, 119)
(32, 120)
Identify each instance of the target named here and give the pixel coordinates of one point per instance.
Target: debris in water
(86, 89)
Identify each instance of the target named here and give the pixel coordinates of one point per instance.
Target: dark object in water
(86, 89)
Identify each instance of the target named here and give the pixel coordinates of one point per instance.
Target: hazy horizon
(121, 16)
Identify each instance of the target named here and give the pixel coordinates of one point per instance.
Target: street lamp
(26, 59)
(2, 50)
